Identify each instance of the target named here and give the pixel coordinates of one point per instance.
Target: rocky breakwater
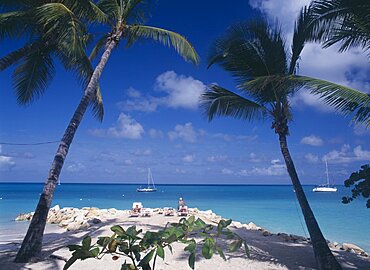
(73, 219)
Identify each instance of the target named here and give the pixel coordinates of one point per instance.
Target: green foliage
(143, 250)
(361, 182)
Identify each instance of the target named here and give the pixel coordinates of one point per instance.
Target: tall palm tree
(125, 21)
(52, 30)
(347, 24)
(255, 55)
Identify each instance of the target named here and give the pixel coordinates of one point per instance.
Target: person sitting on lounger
(137, 209)
(180, 204)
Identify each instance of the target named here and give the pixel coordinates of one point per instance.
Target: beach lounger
(136, 209)
(169, 211)
(146, 212)
(183, 211)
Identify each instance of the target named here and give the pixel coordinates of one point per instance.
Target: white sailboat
(149, 188)
(326, 187)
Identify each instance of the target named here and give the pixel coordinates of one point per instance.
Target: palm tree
(34, 62)
(347, 24)
(125, 21)
(255, 55)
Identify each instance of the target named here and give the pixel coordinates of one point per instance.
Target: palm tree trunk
(324, 258)
(32, 243)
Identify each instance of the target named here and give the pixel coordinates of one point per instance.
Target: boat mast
(148, 177)
(327, 172)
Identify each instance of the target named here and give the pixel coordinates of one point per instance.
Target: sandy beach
(268, 251)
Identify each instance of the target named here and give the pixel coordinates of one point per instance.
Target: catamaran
(149, 188)
(326, 187)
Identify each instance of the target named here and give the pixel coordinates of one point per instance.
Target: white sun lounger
(183, 211)
(137, 207)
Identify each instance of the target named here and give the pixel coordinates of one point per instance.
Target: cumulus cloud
(312, 140)
(276, 168)
(349, 68)
(311, 158)
(185, 132)
(176, 91)
(182, 91)
(188, 158)
(126, 127)
(6, 162)
(347, 155)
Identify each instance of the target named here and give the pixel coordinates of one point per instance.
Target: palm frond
(136, 11)
(218, 101)
(250, 49)
(100, 44)
(32, 76)
(16, 55)
(343, 99)
(97, 107)
(110, 8)
(166, 37)
(12, 23)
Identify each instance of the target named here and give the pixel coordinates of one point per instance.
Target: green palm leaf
(33, 75)
(166, 37)
(218, 101)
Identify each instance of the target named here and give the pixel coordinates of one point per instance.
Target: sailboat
(149, 188)
(326, 187)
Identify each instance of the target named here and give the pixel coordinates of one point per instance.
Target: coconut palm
(347, 24)
(255, 55)
(50, 28)
(125, 21)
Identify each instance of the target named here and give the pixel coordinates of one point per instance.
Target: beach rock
(95, 221)
(56, 208)
(266, 233)
(74, 226)
(285, 237)
(23, 217)
(353, 248)
(252, 226)
(237, 224)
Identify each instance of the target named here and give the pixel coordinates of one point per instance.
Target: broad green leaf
(112, 246)
(95, 251)
(191, 260)
(74, 247)
(118, 230)
(71, 261)
(246, 248)
(147, 258)
(160, 252)
(86, 243)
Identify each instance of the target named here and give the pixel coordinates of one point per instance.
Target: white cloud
(6, 163)
(156, 133)
(128, 162)
(185, 132)
(218, 158)
(126, 127)
(76, 167)
(229, 137)
(311, 158)
(182, 91)
(361, 130)
(350, 68)
(276, 168)
(312, 140)
(254, 158)
(188, 158)
(345, 155)
(138, 104)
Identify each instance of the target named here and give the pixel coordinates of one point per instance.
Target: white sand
(267, 252)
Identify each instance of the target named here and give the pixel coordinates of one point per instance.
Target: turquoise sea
(272, 207)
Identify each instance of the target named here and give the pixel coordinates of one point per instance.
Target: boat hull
(325, 189)
(146, 189)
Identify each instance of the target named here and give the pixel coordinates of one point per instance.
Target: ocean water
(272, 207)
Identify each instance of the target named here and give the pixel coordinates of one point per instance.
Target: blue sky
(152, 117)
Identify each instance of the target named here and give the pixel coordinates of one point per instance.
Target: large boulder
(352, 247)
